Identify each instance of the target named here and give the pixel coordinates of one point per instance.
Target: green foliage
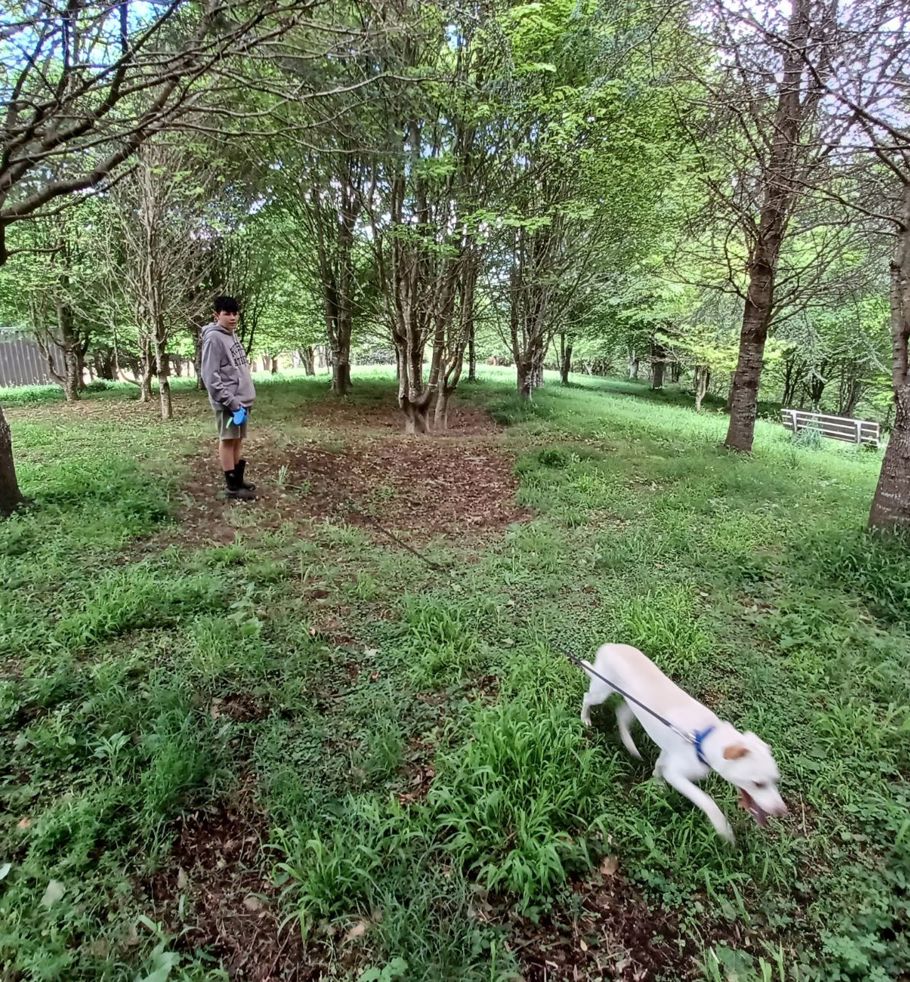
(419, 759)
(516, 804)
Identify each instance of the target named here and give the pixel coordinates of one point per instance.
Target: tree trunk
(472, 353)
(702, 377)
(851, 389)
(10, 495)
(658, 365)
(816, 391)
(341, 375)
(80, 365)
(67, 344)
(104, 365)
(744, 393)
(793, 373)
(416, 421)
(634, 364)
(565, 358)
(307, 356)
(197, 358)
(441, 414)
(891, 504)
(273, 366)
(524, 379)
(146, 368)
(779, 189)
(164, 385)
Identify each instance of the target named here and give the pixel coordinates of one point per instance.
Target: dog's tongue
(748, 803)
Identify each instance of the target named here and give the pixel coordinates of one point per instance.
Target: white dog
(703, 743)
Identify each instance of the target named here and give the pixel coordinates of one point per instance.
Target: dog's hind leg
(624, 717)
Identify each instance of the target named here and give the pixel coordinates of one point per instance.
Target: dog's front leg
(703, 801)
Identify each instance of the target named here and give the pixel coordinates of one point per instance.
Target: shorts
(224, 421)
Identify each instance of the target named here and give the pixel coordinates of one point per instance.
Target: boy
(226, 376)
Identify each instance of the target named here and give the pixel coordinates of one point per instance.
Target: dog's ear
(735, 751)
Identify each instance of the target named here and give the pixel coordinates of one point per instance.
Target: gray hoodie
(225, 369)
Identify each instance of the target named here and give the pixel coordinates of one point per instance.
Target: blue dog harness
(698, 738)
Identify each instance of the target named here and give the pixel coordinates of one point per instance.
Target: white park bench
(834, 427)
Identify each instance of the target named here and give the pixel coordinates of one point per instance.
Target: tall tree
(588, 163)
(421, 207)
(159, 220)
(866, 69)
(753, 119)
(871, 79)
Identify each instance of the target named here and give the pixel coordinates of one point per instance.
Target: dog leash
(696, 739)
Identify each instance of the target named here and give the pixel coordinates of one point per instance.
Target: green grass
(413, 749)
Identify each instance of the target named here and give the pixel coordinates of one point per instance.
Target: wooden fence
(22, 362)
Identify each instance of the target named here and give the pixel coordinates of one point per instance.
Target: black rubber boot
(238, 470)
(235, 489)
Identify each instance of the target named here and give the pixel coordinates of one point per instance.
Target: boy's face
(226, 320)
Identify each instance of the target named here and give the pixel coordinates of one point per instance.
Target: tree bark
(72, 377)
(441, 413)
(702, 377)
(416, 416)
(658, 365)
(793, 373)
(815, 387)
(10, 495)
(164, 385)
(565, 358)
(307, 356)
(197, 357)
(104, 364)
(71, 348)
(764, 252)
(524, 379)
(472, 353)
(891, 504)
(341, 376)
(851, 389)
(146, 368)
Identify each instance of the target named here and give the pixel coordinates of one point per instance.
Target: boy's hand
(239, 416)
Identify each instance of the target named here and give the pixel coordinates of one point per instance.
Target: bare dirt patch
(457, 485)
(240, 707)
(616, 936)
(409, 485)
(419, 772)
(215, 895)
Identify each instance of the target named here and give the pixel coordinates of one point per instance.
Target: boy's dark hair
(227, 305)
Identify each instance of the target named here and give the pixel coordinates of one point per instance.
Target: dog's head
(748, 763)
